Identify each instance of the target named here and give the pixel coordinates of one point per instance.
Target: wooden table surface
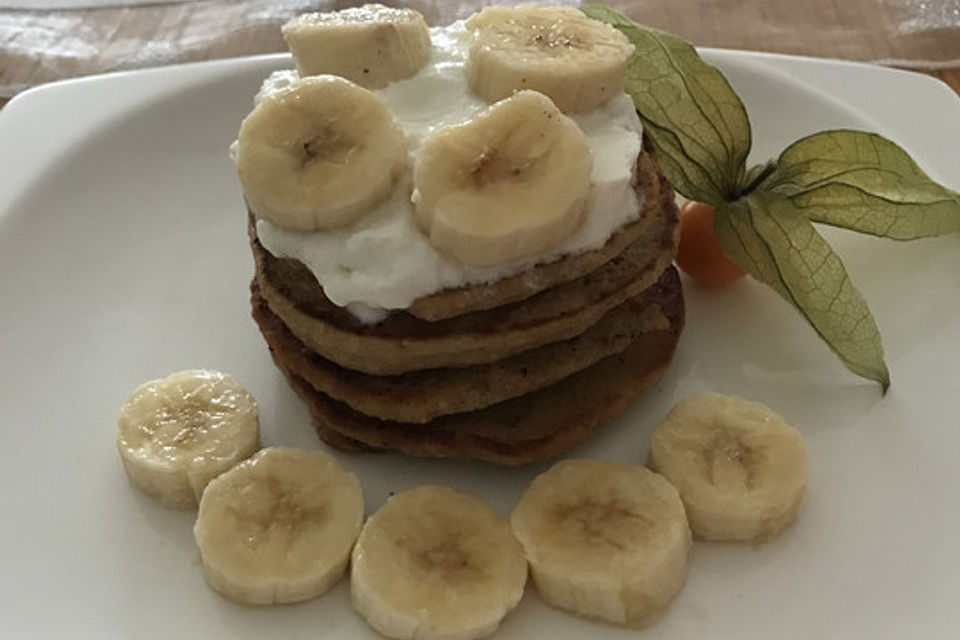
(43, 46)
(950, 76)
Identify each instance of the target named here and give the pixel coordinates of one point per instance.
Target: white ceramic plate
(123, 257)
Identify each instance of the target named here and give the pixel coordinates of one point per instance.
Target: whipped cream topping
(382, 261)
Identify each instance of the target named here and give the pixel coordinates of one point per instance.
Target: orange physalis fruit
(700, 255)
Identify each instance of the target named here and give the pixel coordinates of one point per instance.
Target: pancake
(421, 396)
(404, 343)
(530, 427)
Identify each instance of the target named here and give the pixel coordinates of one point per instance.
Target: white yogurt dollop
(383, 261)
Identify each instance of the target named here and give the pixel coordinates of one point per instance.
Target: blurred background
(46, 40)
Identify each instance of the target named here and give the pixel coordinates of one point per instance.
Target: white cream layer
(383, 261)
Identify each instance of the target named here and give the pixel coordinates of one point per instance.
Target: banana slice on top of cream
(508, 184)
(371, 45)
(577, 61)
(318, 153)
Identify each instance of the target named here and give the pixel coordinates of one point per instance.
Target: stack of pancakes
(511, 371)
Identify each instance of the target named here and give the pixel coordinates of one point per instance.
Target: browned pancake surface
(531, 427)
(421, 396)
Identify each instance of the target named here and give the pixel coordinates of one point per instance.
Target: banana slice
(740, 469)
(372, 45)
(318, 153)
(605, 540)
(509, 184)
(577, 61)
(436, 564)
(176, 434)
(278, 527)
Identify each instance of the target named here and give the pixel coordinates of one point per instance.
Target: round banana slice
(509, 184)
(279, 527)
(318, 153)
(436, 564)
(577, 61)
(372, 45)
(604, 539)
(176, 434)
(740, 469)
